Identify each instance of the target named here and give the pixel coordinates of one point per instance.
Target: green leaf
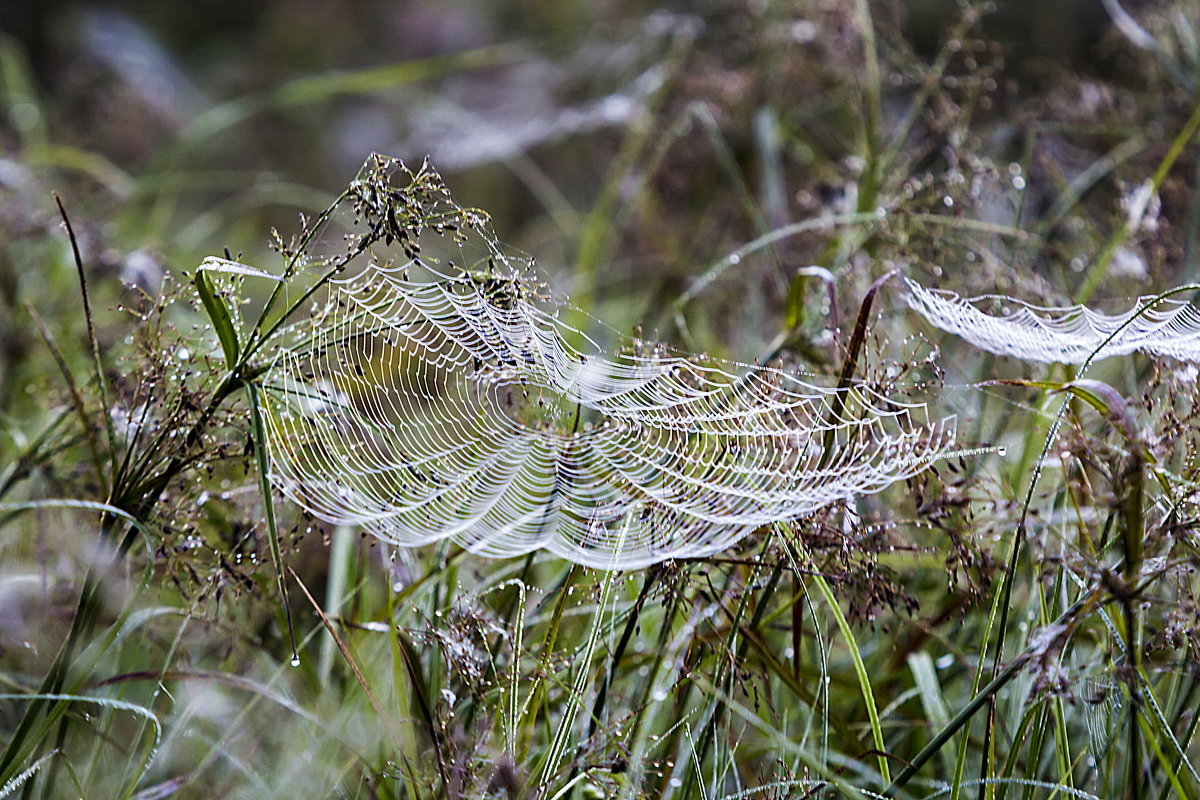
(1108, 401)
(218, 314)
(794, 311)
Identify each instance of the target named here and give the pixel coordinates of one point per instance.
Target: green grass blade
(218, 314)
(933, 702)
(860, 669)
(263, 467)
(1068, 617)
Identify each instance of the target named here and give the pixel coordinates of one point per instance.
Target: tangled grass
(1017, 619)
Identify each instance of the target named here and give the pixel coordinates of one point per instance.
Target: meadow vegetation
(1018, 620)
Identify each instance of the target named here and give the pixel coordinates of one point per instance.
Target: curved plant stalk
(864, 680)
(97, 359)
(263, 467)
(18, 780)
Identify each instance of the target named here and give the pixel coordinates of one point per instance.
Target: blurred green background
(628, 146)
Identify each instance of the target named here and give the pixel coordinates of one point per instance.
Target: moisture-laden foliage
(1011, 617)
(432, 397)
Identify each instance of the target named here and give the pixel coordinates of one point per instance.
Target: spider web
(1063, 334)
(442, 397)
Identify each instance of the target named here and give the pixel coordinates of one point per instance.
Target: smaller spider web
(1068, 335)
(425, 402)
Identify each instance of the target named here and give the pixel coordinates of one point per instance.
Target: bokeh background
(627, 146)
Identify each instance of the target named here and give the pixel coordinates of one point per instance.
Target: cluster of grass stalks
(1020, 621)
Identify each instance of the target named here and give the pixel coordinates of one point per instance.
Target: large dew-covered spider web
(444, 397)
(1068, 335)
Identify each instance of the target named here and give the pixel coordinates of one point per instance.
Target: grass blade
(218, 313)
(263, 467)
(860, 669)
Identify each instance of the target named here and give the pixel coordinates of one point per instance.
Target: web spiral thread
(430, 399)
(1067, 335)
